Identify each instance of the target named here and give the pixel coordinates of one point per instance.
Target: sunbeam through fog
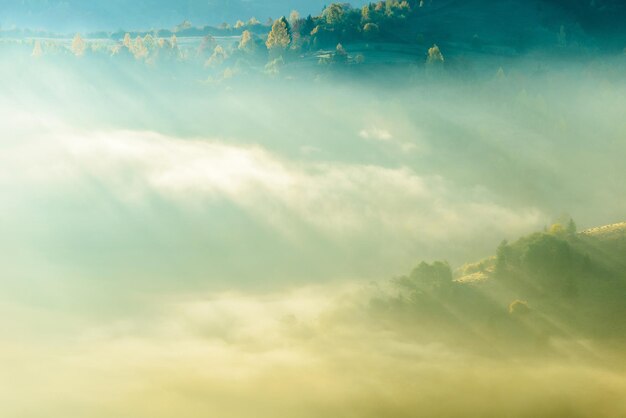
(313, 215)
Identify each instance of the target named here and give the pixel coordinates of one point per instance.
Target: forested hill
(516, 24)
(525, 24)
(460, 36)
(555, 284)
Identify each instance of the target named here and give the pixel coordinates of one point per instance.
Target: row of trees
(385, 21)
(149, 49)
(288, 38)
(338, 23)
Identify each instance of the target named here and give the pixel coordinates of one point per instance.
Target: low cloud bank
(299, 353)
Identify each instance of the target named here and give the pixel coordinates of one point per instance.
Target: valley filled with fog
(176, 242)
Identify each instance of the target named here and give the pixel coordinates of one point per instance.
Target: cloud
(88, 200)
(376, 133)
(336, 198)
(297, 353)
(385, 137)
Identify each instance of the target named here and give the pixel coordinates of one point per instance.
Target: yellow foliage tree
(78, 46)
(280, 35)
(127, 42)
(217, 58)
(247, 42)
(37, 50)
(139, 49)
(435, 56)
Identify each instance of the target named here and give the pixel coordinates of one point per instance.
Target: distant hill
(523, 24)
(515, 23)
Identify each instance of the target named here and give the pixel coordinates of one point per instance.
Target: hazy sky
(73, 15)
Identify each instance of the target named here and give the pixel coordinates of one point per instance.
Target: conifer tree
(280, 35)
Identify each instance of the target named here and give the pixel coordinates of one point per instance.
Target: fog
(177, 244)
(299, 353)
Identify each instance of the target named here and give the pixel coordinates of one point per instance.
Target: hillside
(610, 232)
(544, 287)
(513, 26)
(607, 242)
(507, 26)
